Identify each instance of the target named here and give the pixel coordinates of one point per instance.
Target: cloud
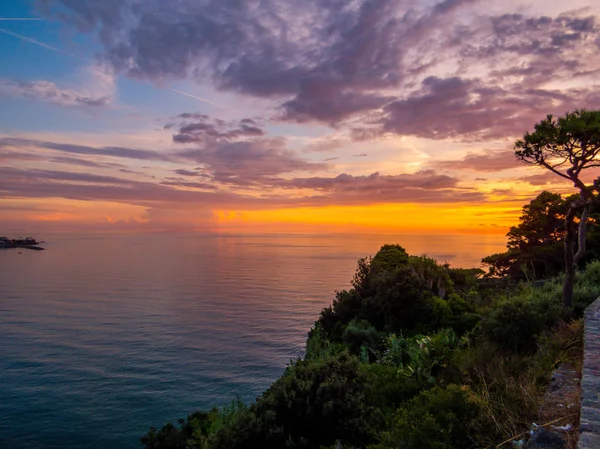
(246, 163)
(238, 153)
(487, 161)
(117, 152)
(542, 179)
(203, 129)
(185, 172)
(329, 58)
(375, 182)
(34, 183)
(193, 185)
(440, 69)
(469, 109)
(28, 39)
(344, 189)
(97, 90)
(421, 187)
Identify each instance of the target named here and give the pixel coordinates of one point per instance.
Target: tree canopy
(568, 146)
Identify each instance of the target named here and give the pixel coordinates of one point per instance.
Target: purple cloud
(205, 129)
(487, 161)
(248, 162)
(118, 152)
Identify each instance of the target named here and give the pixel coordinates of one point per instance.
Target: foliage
(392, 292)
(314, 404)
(191, 432)
(517, 322)
(421, 356)
(572, 141)
(436, 419)
(568, 147)
(360, 334)
(535, 245)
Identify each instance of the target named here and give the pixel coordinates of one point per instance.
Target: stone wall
(589, 425)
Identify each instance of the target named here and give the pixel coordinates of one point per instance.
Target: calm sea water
(101, 337)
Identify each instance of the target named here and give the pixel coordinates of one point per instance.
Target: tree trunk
(569, 282)
(571, 259)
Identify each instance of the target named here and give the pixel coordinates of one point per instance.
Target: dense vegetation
(568, 147)
(535, 248)
(418, 355)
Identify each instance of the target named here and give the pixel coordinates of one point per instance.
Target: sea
(103, 336)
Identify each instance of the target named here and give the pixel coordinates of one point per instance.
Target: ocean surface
(103, 336)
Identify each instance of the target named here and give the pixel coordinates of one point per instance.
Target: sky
(283, 116)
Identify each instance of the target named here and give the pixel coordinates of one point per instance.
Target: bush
(435, 419)
(424, 357)
(319, 347)
(196, 428)
(516, 323)
(313, 404)
(360, 334)
(587, 287)
(386, 388)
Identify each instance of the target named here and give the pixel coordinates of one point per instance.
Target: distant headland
(27, 242)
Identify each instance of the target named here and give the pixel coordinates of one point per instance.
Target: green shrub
(318, 346)
(192, 432)
(314, 404)
(360, 334)
(421, 356)
(515, 324)
(435, 419)
(386, 389)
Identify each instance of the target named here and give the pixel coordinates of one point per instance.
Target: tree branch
(582, 229)
(551, 168)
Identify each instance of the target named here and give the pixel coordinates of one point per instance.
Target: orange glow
(488, 219)
(493, 217)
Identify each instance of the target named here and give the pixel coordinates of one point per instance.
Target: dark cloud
(248, 162)
(55, 175)
(15, 156)
(238, 153)
(81, 162)
(327, 58)
(487, 161)
(184, 172)
(204, 129)
(424, 187)
(84, 186)
(118, 152)
(375, 182)
(332, 60)
(326, 103)
(11, 156)
(542, 179)
(193, 185)
(361, 155)
(471, 110)
(137, 173)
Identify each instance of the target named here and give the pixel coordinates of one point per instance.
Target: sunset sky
(283, 115)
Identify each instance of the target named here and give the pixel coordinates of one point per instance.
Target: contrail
(198, 98)
(21, 18)
(28, 39)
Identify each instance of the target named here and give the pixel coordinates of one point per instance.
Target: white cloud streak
(30, 40)
(198, 98)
